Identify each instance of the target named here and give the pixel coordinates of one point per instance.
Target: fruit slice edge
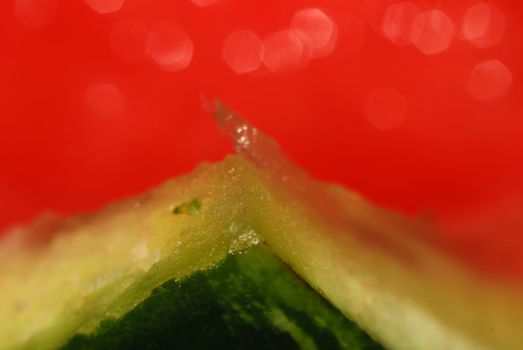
(64, 277)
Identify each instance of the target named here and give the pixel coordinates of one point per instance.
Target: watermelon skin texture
(251, 300)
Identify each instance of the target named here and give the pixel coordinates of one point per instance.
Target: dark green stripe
(250, 301)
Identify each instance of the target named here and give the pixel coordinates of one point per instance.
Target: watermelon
(246, 253)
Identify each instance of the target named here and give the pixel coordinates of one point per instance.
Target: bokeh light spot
(319, 29)
(483, 25)
(104, 99)
(488, 80)
(432, 32)
(351, 31)
(285, 51)
(476, 21)
(204, 3)
(242, 51)
(36, 14)
(398, 22)
(386, 108)
(128, 40)
(105, 6)
(169, 46)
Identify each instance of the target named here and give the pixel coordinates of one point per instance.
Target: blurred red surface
(415, 104)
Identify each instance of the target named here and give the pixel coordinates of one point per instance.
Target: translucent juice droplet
(254, 144)
(245, 240)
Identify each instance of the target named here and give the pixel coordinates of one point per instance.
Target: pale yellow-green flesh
(103, 265)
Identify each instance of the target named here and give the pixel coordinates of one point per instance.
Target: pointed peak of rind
(250, 142)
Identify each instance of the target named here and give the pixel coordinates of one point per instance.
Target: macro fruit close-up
(374, 200)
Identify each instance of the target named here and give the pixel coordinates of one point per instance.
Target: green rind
(249, 301)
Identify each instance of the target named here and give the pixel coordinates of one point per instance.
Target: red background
(454, 158)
